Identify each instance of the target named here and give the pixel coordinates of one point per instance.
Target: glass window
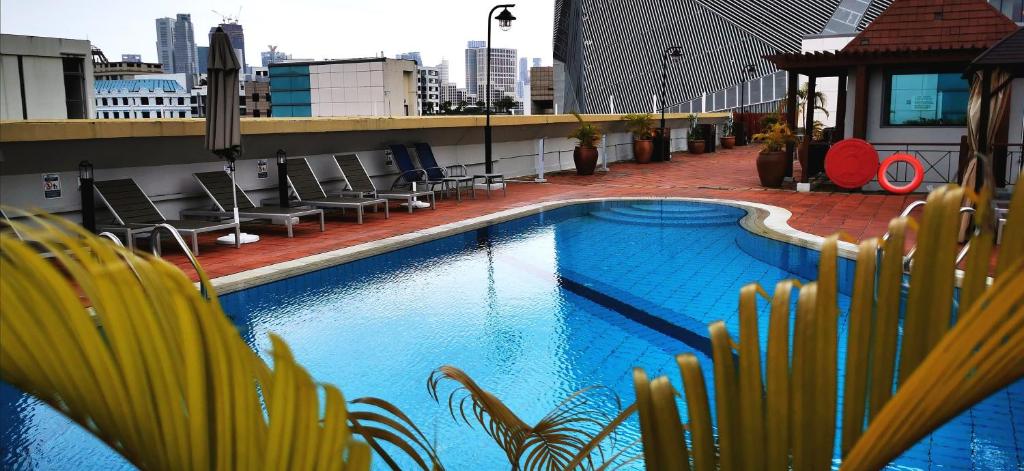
(938, 99)
(74, 87)
(159, 100)
(181, 114)
(145, 114)
(145, 100)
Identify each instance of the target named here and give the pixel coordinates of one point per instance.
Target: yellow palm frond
(159, 373)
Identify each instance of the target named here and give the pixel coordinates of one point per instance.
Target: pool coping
(761, 219)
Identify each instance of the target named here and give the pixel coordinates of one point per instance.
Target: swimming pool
(533, 309)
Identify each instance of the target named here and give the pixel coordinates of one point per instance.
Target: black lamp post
(504, 22)
(674, 52)
(741, 134)
(282, 177)
(88, 202)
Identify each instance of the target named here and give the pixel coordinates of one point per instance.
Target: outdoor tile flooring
(727, 174)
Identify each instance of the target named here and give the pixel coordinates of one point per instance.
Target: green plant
(820, 101)
(640, 124)
(775, 138)
(159, 373)
(695, 133)
(768, 120)
(586, 133)
(727, 127)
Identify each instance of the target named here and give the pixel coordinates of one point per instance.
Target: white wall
(43, 72)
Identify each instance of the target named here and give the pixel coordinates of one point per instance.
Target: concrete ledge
(761, 219)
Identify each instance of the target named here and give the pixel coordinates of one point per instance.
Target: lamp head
(85, 170)
(505, 19)
(281, 156)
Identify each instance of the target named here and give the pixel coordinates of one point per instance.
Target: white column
(655, 103)
(540, 161)
(604, 153)
(611, 103)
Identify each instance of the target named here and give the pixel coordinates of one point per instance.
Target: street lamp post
(504, 22)
(675, 52)
(748, 74)
(85, 182)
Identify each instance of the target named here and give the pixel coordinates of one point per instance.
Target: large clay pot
(585, 158)
(771, 168)
(728, 142)
(642, 150)
(695, 147)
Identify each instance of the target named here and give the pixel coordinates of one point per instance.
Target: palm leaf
(157, 372)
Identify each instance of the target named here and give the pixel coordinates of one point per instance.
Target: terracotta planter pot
(695, 147)
(728, 142)
(771, 168)
(642, 150)
(585, 158)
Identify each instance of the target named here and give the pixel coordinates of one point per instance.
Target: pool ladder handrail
(184, 247)
(909, 257)
(112, 237)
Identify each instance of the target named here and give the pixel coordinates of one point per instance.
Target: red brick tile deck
(728, 174)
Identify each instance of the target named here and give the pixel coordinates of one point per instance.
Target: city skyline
(310, 29)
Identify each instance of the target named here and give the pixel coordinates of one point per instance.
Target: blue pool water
(533, 309)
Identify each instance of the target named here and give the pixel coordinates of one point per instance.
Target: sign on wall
(51, 185)
(261, 169)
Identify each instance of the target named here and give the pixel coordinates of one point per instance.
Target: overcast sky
(304, 28)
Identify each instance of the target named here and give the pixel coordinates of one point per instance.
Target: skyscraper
(235, 35)
(411, 56)
(472, 50)
(536, 62)
(202, 57)
(503, 71)
(184, 45)
(442, 70)
(524, 77)
(165, 43)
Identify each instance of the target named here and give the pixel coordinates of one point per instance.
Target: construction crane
(228, 19)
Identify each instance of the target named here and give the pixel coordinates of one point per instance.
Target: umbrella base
(230, 239)
(417, 204)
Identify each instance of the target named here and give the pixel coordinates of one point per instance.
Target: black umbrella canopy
(223, 136)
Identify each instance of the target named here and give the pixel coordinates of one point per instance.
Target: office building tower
(472, 48)
(411, 56)
(184, 45)
(374, 86)
(165, 43)
(503, 72)
(202, 58)
(442, 71)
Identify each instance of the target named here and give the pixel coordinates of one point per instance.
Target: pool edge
(761, 219)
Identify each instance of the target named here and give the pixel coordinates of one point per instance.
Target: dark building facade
(606, 48)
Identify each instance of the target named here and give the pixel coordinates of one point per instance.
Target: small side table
(491, 178)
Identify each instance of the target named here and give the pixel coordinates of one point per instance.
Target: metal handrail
(909, 257)
(111, 237)
(184, 247)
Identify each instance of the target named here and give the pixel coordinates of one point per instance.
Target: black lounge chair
(133, 210)
(412, 176)
(309, 192)
(359, 183)
(218, 184)
(455, 176)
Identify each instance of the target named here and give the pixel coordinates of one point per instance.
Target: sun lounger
(133, 210)
(217, 186)
(455, 177)
(359, 183)
(309, 192)
(411, 175)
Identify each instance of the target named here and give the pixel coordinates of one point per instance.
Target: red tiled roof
(921, 25)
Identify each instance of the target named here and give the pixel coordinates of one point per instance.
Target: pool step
(677, 208)
(690, 221)
(697, 213)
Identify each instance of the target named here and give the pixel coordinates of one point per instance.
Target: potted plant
(695, 138)
(771, 161)
(585, 154)
(641, 125)
(728, 139)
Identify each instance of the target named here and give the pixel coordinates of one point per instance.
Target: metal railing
(203, 289)
(909, 257)
(941, 161)
(112, 237)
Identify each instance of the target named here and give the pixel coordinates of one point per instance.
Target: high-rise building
(428, 90)
(236, 36)
(202, 58)
(133, 58)
(374, 86)
(273, 55)
(165, 43)
(524, 77)
(542, 90)
(184, 46)
(503, 72)
(472, 48)
(442, 71)
(411, 56)
(536, 62)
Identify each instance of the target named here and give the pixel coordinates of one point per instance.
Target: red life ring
(851, 163)
(883, 179)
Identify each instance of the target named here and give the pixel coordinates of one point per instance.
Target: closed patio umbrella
(223, 136)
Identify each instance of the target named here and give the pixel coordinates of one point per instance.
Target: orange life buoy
(883, 179)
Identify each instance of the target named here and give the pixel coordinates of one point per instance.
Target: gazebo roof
(1007, 54)
(912, 31)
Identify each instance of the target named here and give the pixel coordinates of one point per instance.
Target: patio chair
(133, 210)
(456, 176)
(309, 192)
(412, 176)
(217, 186)
(359, 183)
